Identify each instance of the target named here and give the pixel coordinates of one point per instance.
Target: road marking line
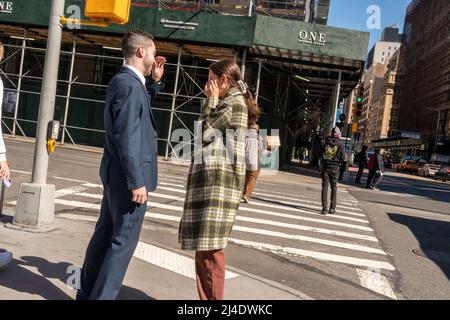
(437, 190)
(271, 213)
(374, 281)
(337, 244)
(78, 204)
(316, 255)
(305, 205)
(276, 214)
(18, 171)
(170, 260)
(262, 204)
(61, 193)
(284, 225)
(69, 191)
(310, 229)
(282, 235)
(172, 189)
(281, 207)
(296, 199)
(73, 180)
(159, 257)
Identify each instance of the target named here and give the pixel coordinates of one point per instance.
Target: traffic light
(113, 11)
(359, 101)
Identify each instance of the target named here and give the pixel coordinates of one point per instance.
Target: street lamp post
(36, 203)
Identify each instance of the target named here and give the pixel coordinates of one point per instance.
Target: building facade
(372, 88)
(384, 49)
(424, 97)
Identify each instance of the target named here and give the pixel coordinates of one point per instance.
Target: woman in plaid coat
(216, 177)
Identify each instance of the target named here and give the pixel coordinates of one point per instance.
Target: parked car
(409, 166)
(428, 170)
(443, 174)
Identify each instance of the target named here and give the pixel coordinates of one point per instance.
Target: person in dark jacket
(333, 155)
(361, 159)
(376, 170)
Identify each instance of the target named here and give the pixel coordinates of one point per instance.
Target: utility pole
(437, 130)
(36, 203)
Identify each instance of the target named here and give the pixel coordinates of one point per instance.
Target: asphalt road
(365, 252)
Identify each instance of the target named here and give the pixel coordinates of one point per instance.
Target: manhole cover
(436, 256)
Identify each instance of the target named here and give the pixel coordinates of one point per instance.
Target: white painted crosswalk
(276, 222)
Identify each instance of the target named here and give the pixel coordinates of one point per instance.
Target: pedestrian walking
(252, 148)
(376, 170)
(361, 159)
(128, 169)
(5, 257)
(215, 186)
(333, 155)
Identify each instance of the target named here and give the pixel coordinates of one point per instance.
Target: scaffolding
(299, 108)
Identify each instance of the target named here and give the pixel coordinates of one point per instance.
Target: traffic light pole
(336, 100)
(36, 203)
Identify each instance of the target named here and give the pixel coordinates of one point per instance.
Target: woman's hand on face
(212, 89)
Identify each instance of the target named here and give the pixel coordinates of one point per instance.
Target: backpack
(330, 152)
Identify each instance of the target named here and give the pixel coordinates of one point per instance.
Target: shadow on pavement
(433, 236)
(18, 278)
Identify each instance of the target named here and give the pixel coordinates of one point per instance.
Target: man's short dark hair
(133, 40)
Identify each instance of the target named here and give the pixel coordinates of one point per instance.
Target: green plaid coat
(215, 186)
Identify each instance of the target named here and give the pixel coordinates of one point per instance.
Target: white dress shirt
(137, 72)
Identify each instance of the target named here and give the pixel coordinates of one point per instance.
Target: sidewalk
(42, 261)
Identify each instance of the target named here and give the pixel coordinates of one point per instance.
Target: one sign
(6, 7)
(311, 37)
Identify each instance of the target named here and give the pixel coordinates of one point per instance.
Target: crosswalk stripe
(303, 200)
(157, 216)
(157, 256)
(69, 191)
(304, 228)
(282, 235)
(284, 208)
(274, 206)
(78, 204)
(336, 244)
(375, 281)
(284, 225)
(262, 204)
(276, 214)
(338, 211)
(170, 260)
(317, 255)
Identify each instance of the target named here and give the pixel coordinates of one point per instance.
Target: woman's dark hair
(229, 68)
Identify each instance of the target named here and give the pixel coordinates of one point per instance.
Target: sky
(352, 14)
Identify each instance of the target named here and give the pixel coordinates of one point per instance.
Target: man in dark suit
(128, 169)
